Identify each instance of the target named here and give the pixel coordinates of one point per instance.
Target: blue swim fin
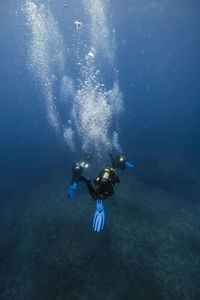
(129, 165)
(99, 216)
(71, 190)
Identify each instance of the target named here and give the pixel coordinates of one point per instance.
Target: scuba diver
(105, 183)
(119, 162)
(77, 171)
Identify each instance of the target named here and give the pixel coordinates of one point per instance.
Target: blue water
(126, 79)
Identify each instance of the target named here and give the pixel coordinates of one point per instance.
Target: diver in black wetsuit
(105, 183)
(120, 162)
(77, 171)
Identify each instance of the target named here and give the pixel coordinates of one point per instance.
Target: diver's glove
(129, 164)
(99, 216)
(71, 190)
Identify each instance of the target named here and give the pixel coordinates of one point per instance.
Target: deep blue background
(157, 55)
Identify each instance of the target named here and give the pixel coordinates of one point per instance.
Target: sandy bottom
(149, 250)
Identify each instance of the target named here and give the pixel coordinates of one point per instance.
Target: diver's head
(77, 166)
(122, 158)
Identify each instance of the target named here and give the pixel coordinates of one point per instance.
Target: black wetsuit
(76, 173)
(104, 188)
(117, 163)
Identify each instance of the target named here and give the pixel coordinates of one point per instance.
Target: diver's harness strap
(107, 175)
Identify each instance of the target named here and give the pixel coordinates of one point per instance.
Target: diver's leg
(91, 190)
(89, 186)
